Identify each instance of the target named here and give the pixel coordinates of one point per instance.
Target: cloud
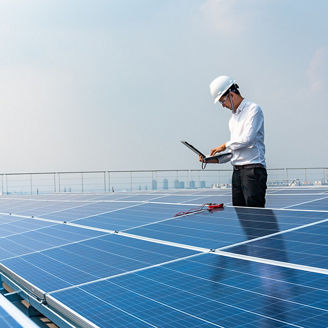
(317, 70)
(225, 17)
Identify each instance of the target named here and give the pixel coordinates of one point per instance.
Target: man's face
(225, 101)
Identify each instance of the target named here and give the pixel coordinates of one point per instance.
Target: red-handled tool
(207, 206)
(212, 206)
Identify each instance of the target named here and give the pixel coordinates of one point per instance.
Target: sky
(116, 84)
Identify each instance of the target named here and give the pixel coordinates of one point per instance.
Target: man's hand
(202, 159)
(218, 149)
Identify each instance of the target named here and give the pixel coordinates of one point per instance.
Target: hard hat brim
(222, 93)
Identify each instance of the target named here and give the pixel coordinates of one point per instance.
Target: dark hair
(234, 88)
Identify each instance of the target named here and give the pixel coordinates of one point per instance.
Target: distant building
(165, 184)
(181, 184)
(154, 185)
(202, 184)
(192, 184)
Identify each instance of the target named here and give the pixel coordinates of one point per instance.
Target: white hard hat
(219, 86)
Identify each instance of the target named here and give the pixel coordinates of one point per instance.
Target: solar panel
(288, 200)
(124, 260)
(88, 260)
(307, 246)
(85, 210)
(198, 199)
(227, 227)
(133, 216)
(47, 236)
(315, 205)
(205, 291)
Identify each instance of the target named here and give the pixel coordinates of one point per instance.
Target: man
(246, 143)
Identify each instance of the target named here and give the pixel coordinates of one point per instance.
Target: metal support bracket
(13, 296)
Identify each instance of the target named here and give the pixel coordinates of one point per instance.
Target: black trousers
(249, 187)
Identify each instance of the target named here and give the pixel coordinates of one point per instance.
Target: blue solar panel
(127, 196)
(286, 201)
(90, 260)
(39, 239)
(317, 205)
(28, 207)
(77, 211)
(19, 225)
(226, 227)
(219, 192)
(133, 216)
(139, 198)
(226, 199)
(66, 196)
(8, 206)
(306, 246)
(53, 207)
(205, 291)
(298, 190)
(120, 280)
(194, 199)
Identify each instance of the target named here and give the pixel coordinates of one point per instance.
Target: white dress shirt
(247, 135)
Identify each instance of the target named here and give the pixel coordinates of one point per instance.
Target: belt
(247, 166)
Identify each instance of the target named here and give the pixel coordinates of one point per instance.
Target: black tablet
(222, 158)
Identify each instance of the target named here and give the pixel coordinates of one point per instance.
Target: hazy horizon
(115, 85)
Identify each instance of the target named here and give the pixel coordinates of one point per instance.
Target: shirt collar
(241, 106)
